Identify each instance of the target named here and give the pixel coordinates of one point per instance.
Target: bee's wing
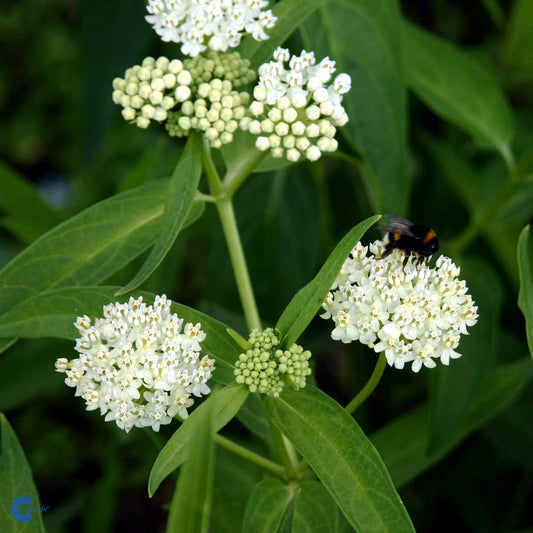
(398, 225)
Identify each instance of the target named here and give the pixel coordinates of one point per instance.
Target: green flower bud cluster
(264, 368)
(231, 67)
(217, 112)
(150, 90)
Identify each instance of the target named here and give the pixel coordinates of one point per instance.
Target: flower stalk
(371, 384)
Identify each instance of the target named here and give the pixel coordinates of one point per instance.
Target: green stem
(238, 261)
(253, 457)
(235, 176)
(371, 384)
(233, 241)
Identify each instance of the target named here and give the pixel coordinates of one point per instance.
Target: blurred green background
(62, 132)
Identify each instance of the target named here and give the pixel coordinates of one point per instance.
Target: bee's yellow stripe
(430, 235)
(397, 236)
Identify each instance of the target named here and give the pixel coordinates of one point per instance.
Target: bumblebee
(411, 238)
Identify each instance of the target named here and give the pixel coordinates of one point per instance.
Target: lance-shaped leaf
(89, 247)
(457, 88)
(290, 13)
(52, 314)
(266, 507)
(29, 215)
(191, 504)
(17, 481)
(315, 511)
(342, 457)
(178, 202)
(225, 404)
(402, 442)
(525, 269)
(307, 301)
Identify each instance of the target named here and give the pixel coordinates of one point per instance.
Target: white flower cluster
(215, 111)
(265, 369)
(137, 365)
(148, 91)
(296, 111)
(414, 314)
(214, 24)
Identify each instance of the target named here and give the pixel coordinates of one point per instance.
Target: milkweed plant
(247, 87)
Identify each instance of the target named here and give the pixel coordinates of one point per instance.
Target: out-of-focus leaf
(307, 301)
(291, 14)
(457, 88)
(225, 404)
(17, 481)
(99, 510)
(113, 35)
(453, 388)
(191, 504)
(518, 40)
(233, 486)
(179, 199)
(266, 507)
(52, 314)
(89, 247)
(525, 267)
(342, 457)
(494, 9)
(364, 37)
(19, 388)
(315, 511)
(402, 442)
(29, 214)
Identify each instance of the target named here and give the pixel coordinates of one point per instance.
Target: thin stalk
(236, 175)
(233, 241)
(371, 384)
(253, 457)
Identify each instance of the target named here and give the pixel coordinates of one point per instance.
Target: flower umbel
(265, 369)
(214, 24)
(150, 90)
(415, 314)
(297, 106)
(138, 364)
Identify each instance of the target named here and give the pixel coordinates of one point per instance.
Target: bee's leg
(421, 259)
(407, 256)
(389, 247)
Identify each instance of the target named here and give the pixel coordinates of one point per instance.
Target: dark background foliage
(61, 131)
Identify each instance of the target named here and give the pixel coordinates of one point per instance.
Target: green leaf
(20, 388)
(364, 37)
(453, 388)
(178, 203)
(17, 480)
(30, 215)
(253, 417)
(233, 486)
(239, 339)
(342, 457)
(53, 313)
(307, 301)
(525, 268)
(89, 247)
(191, 504)
(518, 40)
(226, 403)
(266, 507)
(457, 88)
(315, 511)
(402, 442)
(291, 14)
